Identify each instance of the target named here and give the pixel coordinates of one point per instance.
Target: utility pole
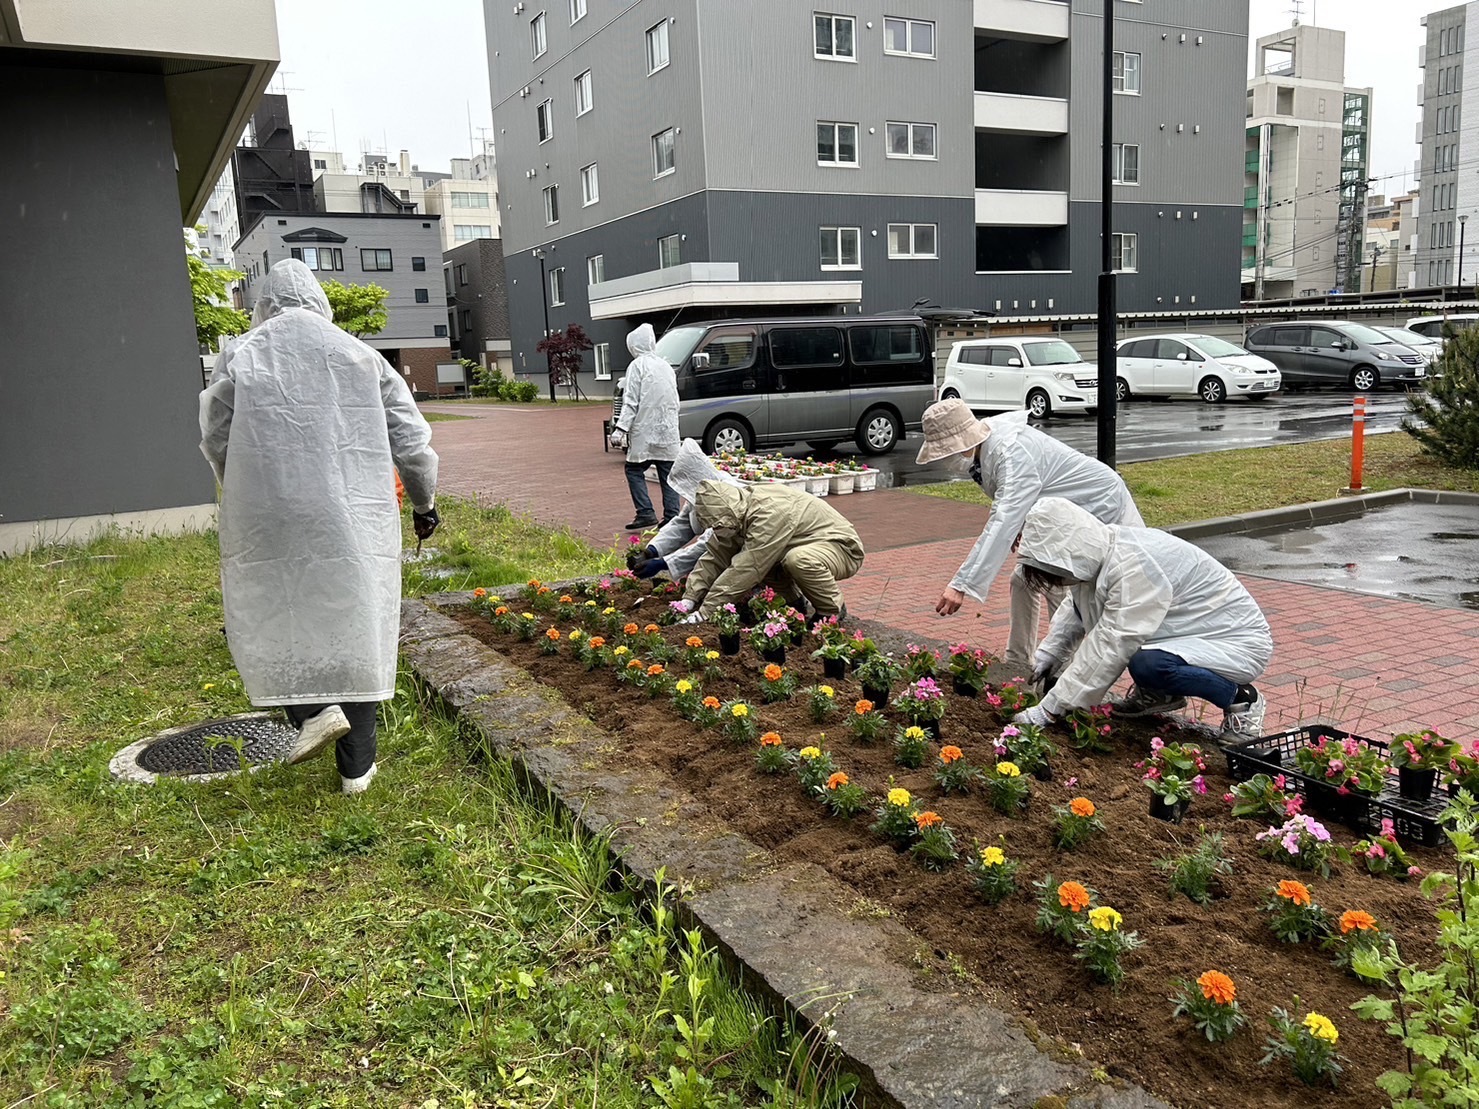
(1376, 252)
(544, 297)
(1108, 368)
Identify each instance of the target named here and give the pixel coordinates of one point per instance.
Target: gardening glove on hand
(638, 555)
(1045, 668)
(424, 523)
(1037, 716)
(692, 618)
(650, 568)
(619, 439)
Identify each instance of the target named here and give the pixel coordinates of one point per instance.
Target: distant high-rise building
(1450, 187)
(467, 201)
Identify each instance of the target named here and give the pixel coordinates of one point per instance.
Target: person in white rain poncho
(305, 427)
(648, 426)
(1015, 465)
(1141, 599)
(682, 540)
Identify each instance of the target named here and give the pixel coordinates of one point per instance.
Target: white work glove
(692, 618)
(1045, 667)
(1037, 716)
(619, 439)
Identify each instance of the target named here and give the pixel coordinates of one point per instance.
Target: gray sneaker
(1143, 703)
(1244, 720)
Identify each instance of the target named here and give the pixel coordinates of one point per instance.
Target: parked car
(1043, 375)
(1425, 345)
(744, 384)
(1433, 326)
(1192, 366)
(1334, 352)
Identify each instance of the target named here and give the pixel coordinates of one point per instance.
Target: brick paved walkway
(1370, 664)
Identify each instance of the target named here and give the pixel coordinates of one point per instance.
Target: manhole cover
(213, 749)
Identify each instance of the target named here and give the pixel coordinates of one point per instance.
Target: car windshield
(1363, 334)
(1409, 338)
(675, 347)
(1213, 347)
(1055, 353)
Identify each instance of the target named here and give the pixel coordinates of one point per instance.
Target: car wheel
(1212, 390)
(1039, 407)
(727, 435)
(949, 394)
(1121, 390)
(1364, 379)
(878, 431)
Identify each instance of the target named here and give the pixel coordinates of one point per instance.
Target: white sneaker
(1141, 703)
(1245, 720)
(317, 732)
(360, 784)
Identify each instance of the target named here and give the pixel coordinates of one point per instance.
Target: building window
(557, 287)
(595, 269)
(423, 297)
(664, 156)
(469, 200)
(834, 37)
(584, 95)
(837, 143)
(467, 232)
(841, 248)
(603, 361)
(371, 260)
(320, 257)
(439, 330)
(319, 163)
(669, 251)
(536, 35)
(913, 240)
(911, 140)
(466, 320)
(1126, 72)
(1283, 101)
(544, 118)
(418, 264)
(577, 11)
(657, 47)
(913, 37)
(462, 275)
(552, 204)
(590, 188)
(1123, 248)
(1126, 164)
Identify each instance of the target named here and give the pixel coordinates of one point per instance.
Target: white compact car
(1192, 366)
(1043, 375)
(1425, 345)
(1432, 326)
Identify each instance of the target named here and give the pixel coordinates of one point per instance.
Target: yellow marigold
(553, 635)
(826, 691)
(1297, 892)
(1009, 770)
(1321, 1027)
(899, 796)
(712, 702)
(863, 707)
(635, 664)
(927, 819)
(1073, 897)
(1353, 920)
(656, 669)
(590, 604)
(1105, 919)
(480, 593)
(527, 615)
(710, 656)
(501, 610)
(693, 641)
(629, 629)
(773, 673)
(770, 739)
(574, 634)
(949, 753)
(619, 651)
(914, 731)
(495, 600)
(992, 856)
(1218, 987)
(1081, 806)
(607, 611)
(566, 599)
(810, 752)
(837, 780)
(740, 710)
(596, 642)
(683, 686)
(650, 628)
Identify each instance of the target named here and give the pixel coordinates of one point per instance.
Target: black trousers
(355, 752)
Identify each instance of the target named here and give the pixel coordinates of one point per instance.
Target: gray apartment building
(1450, 188)
(689, 158)
(476, 285)
(399, 252)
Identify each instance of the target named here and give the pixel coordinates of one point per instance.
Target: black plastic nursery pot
(932, 728)
(729, 643)
(1415, 784)
(1171, 812)
(776, 655)
(878, 694)
(834, 667)
(964, 688)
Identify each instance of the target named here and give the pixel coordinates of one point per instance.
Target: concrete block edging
(1315, 512)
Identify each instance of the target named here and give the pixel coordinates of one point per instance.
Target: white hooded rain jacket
(649, 404)
(683, 541)
(304, 426)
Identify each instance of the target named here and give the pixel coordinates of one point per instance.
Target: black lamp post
(1462, 220)
(544, 299)
(1108, 369)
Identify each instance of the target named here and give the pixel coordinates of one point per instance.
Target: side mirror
(701, 361)
(1182, 356)
(1015, 362)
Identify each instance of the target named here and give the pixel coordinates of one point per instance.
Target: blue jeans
(1163, 672)
(637, 483)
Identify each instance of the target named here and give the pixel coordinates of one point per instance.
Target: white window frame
(1119, 241)
(676, 241)
(602, 353)
(838, 233)
(577, 11)
(557, 286)
(913, 231)
(474, 231)
(590, 185)
(1124, 69)
(934, 140)
(585, 93)
(657, 169)
(595, 269)
(837, 162)
(654, 63)
(834, 18)
(551, 205)
(1121, 163)
(539, 35)
(909, 24)
(544, 120)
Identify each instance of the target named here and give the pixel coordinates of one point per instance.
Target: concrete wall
(485, 295)
(109, 425)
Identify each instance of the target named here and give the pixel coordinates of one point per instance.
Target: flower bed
(978, 911)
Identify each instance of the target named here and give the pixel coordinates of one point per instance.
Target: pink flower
(993, 700)
(1279, 781)
(1071, 783)
(1414, 872)
(1228, 797)
(1156, 743)
(1000, 750)
(1294, 805)
(1388, 829)
(1199, 784)
(1011, 731)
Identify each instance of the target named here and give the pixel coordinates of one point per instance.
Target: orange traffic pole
(1358, 442)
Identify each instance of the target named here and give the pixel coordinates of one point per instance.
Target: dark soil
(1131, 1032)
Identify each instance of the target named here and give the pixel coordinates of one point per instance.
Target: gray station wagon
(1329, 352)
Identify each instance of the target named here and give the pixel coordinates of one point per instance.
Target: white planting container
(866, 481)
(841, 483)
(818, 486)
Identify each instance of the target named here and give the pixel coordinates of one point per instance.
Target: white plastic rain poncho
(305, 426)
(1019, 466)
(1132, 588)
(649, 402)
(683, 541)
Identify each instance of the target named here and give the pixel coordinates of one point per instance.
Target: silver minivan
(1336, 352)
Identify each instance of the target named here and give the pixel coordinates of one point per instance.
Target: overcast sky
(385, 76)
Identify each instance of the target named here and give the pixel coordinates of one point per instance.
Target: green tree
(358, 309)
(214, 316)
(1445, 419)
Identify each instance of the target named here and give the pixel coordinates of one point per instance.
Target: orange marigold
(927, 819)
(534, 583)
(712, 703)
(1297, 892)
(769, 739)
(655, 669)
(635, 664)
(1356, 920)
(1081, 806)
(650, 628)
(480, 593)
(773, 673)
(837, 779)
(566, 599)
(596, 642)
(949, 753)
(552, 635)
(1073, 897)
(694, 642)
(1218, 987)
(543, 589)
(630, 629)
(501, 610)
(863, 707)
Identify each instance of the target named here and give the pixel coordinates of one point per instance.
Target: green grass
(1227, 483)
(443, 417)
(266, 941)
(537, 402)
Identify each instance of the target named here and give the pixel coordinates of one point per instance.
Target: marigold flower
(543, 589)
(899, 797)
(1218, 987)
(1073, 897)
(650, 628)
(634, 664)
(683, 686)
(863, 707)
(1082, 806)
(1297, 892)
(607, 611)
(501, 610)
(693, 641)
(1356, 920)
(836, 780)
(1105, 919)
(949, 753)
(590, 604)
(630, 629)
(992, 856)
(1321, 1027)
(770, 739)
(740, 710)
(596, 642)
(566, 599)
(574, 635)
(810, 752)
(710, 656)
(927, 819)
(1009, 770)
(526, 615)
(656, 669)
(553, 635)
(534, 583)
(712, 702)
(773, 673)
(619, 651)
(480, 593)
(914, 731)
(826, 691)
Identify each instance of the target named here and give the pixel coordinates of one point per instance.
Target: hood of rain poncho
(720, 506)
(290, 284)
(692, 468)
(642, 341)
(649, 409)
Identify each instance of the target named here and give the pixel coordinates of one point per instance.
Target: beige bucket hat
(949, 428)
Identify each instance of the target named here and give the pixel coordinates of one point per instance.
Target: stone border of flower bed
(911, 1046)
(1315, 512)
